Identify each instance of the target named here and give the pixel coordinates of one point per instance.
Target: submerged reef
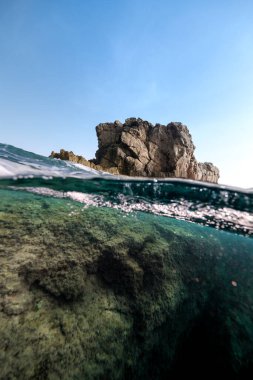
(95, 293)
(139, 148)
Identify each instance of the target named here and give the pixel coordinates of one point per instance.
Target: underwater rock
(138, 148)
(86, 293)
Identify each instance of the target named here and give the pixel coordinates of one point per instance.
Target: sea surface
(111, 277)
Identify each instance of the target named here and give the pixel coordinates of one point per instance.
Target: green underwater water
(95, 291)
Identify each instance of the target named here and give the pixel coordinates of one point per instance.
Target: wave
(222, 207)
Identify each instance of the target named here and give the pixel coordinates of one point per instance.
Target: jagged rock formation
(70, 156)
(138, 148)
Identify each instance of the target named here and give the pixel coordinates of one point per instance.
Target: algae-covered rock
(93, 293)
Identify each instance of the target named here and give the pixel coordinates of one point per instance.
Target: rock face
(138, 148)
(70, 156)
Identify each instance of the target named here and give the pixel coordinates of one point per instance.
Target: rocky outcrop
(70, 156)
(138, 148)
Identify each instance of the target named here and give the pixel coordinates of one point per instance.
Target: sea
(115, 277)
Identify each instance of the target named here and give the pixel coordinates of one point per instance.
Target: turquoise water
(108, 277)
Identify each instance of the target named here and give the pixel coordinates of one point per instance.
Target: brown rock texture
(70, 156)
(139, 148)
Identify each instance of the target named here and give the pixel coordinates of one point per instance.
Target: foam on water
(17, 162)
(112, 277)
(208, 204)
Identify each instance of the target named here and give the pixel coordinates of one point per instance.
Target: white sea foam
(10, 168)
(223, 218)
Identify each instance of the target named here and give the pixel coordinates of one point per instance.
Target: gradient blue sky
(67, 65)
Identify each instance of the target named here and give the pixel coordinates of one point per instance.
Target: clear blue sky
(67, 65)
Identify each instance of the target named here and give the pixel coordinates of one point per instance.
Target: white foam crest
(9, 168)
(84, 168)
(22, 169)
